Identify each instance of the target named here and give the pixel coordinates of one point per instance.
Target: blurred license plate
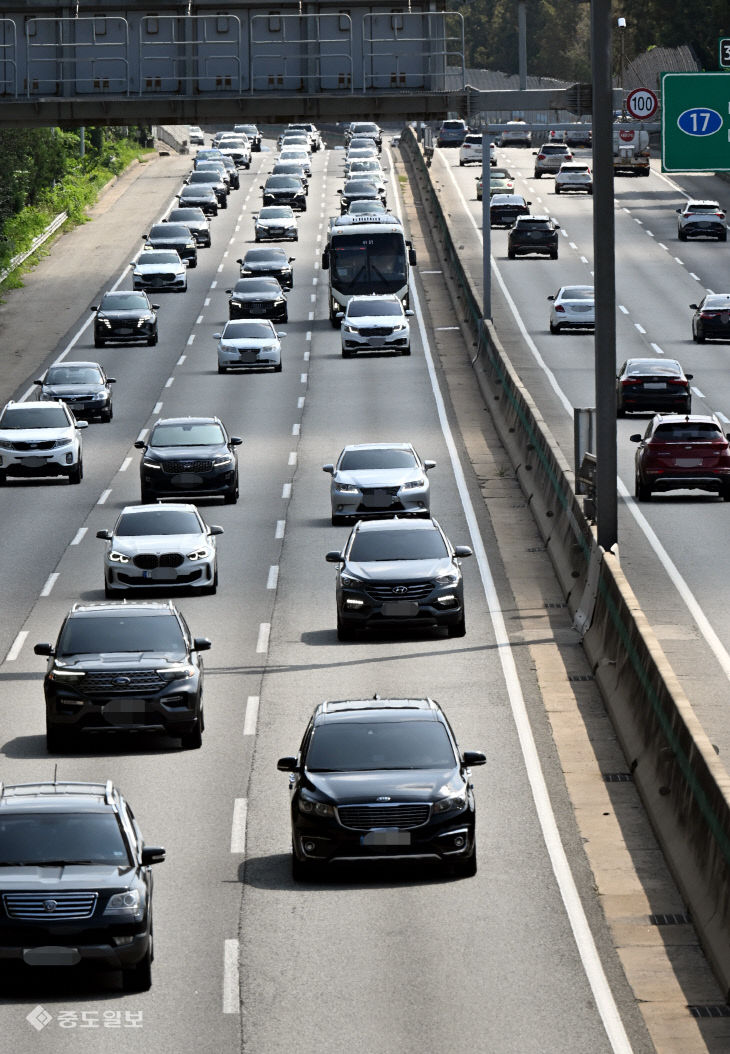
(655, 387)
(400, 608)
(689, 462)
(386, 836)
(160, 574)
(33, 462)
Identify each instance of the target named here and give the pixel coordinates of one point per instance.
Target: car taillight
(709, 314)
(541, 157)
(559, 307)
(677, 380)
(629, 381)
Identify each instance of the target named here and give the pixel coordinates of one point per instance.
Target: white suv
(574, 175)
(550, 157)
(375, 321)
(40, 439)
(470, 151)
(701, 219)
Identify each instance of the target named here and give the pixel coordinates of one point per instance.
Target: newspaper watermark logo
(39, 1018)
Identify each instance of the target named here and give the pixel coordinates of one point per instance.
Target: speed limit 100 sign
(642, 103)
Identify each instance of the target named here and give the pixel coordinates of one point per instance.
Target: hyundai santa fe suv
(381, 779)
(124, 666)
(75, 881)
(40, 439)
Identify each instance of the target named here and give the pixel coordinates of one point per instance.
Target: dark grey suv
(75, 882)
(124, 667)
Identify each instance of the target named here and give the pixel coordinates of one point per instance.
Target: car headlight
(146, 463)
(399, 326)
(118, 558)
(190, 245)
(348, 328)
(204, 553)
(447, 578)
(349, 582)
(129, 904)
(454, 803)
(347, 488)
(104, 322)
(176, 673)
(413, 484)
(58, 673)
(315, 808)
(224, 459)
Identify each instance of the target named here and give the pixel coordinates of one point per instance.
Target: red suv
(682, 452)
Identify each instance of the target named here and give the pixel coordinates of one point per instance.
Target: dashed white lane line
(104, 495)
(680, 262)
(191, 338)
(251, 716)
(695, 276)
(623, 310)
(698, 393)
(295, 428)
(142, 435)
(313, 297)
(311, 316)
(650, 233)
(231, 997)
(169, 382)
(573, 245)
(286, 492)
(292, 457)
(280, 528)
(663, 246)
(300, 402)
(303, 378)
(306, 356)
(238, 826)
(640, 222)
(16, 646)
(315, 281)
(639, 327)
(584, 259)
(220, 268)
(213, 284)
(50, 583)
(156, 408)
(125, 464)
(272, 580)
(262, 643)
(206, 302)
(308, 335)
(181, 360)
(80, 534)
(725, 420)
(198, 320)
(656, 348)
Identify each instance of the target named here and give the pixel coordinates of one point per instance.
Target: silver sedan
(379, 479)
(160, 546)
(573, 307)
(249, 343)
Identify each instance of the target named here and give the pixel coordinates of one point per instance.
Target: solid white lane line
(50, 583)
(16, 646)
(273, 578)
(231, 996)
(238, 826)
(79, 536)
(104, 495)
(251, 716)
(262, 643)
(280, 528)
(286, 491)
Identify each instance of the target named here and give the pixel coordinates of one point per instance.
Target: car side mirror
(557, 226)
(229, 291)
(261, 188)
(201, 644)
(94, 307)
(39, 381)
(535, 152)
(551, 297)
(329, 469)
(410, 311)
(132, 263)
(81, 424)
(334, 556)
(216, 336)
(105, 536)
(280, 334)
(694, 307)
(152, 854)
(412, 260)
(462, 551)
(677, 210)
(239, 262)
(215, 529)
(145, 235)
(236, 441)
(689, 376)
(43, 649)
(255, 215)
(140, 444)
(339, 315)
(155, 307)
(287, 764)
(429, 465)
(635, 438)
(474, 757)
(292, 259)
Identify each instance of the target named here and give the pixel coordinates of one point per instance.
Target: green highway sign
(724, 45)
(695, 122)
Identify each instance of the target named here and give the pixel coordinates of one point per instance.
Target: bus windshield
(368, 263)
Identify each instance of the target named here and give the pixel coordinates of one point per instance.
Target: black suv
(124, 666)
(381, 778)
(76, 884)
(125, 317)
(195, 219)
(189, 456)
(533, 234)
(174, 236)
(399, 572)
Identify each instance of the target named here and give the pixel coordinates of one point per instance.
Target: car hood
(402, 785)
(161, 241)
(66, 391)
(34, 879)
(144, 267)
(155, 543)
(248, 342)
(376, 320)
(402, 570)
(258, 297)
(273, 221)
(379, 477)
(102, 660)
(35, 435)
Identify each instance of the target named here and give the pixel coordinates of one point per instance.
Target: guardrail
(683, 785)
(35, 244)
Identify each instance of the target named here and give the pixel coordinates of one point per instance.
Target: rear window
(700, 431)
(475, 139)
(703, 208)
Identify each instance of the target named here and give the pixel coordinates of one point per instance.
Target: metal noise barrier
(683, 784)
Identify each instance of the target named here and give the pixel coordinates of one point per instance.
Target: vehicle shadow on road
(274, 872)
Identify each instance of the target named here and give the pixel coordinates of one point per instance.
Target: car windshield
(366, 208)
(105, 634)
(167, 232)
(188, 214)
(358, 309)
(159, 258)
(292, 153)
(687, 432)
(124, 302)
(157, 521)
(293, 168)
(275, 257)
(357, 187)
(201, 176)
(363, 127)
(277, 212)
(21, 417)
(73, 375)
(263, 286)
(58, 838)
(362, 746)
(378, 546)
(577, 292)
(283, 183)
(376, 458)
(205, 434)
(247, 331)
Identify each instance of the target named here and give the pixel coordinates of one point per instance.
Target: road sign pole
(604, 275)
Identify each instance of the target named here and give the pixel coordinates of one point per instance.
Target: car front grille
(148, 561)
(156, 279)
(380, 490)
(405, 590)
(173, 467)
(50, 906)
(121, 682)
(41, 444)
(366, 817)
(376, 331)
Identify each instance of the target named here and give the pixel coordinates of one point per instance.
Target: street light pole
(622, 37)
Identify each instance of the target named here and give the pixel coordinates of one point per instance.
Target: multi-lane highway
(670, 548)
(395, 958)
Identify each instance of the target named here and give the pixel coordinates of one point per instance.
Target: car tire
(231, 496)
(192, 264)
(108, 414)
(465, 866)
(687, 407)
(3, 478)
(642, 491)
(554, 254)
(76, 474)
(193, 740)
(682, 236)
(557, 190)
(554, 328)
(722, 237)
(406, 351)
(138, 978)
(256, 238)
(461, 164)
(345, 630)
(151, 341)
(510, 254)
(590, 191)
(725, 493)
(458, 629)
(277, 369)
(699, 338)
(57, 740)
(347, 354)
(620, 412)
(538, 175)
(222, 369)
(147, 497)
(339, 521)
(99, 343)
(285, 319)
(302, 870)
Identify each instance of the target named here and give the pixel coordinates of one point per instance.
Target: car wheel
(406, 351)
(222, 369)
(590, 191)
(538, 175)
(699, 338)
(277, 369)
(557, 190)
(458, 629)
(345, 630)
(3, 478)
(347, 354)
(286, 317)
(725, 493)
(554, 328)
(193, 740)
(642, 491)
(465, 866)
(302, 870)
(682, 236)
(461, 164)
(620, 412)
(98, 342)
(147, 497)
(192, 264)
(687, 407)
(138, 978)
(76, 474)
(339, 521)
(57, 740)
(231, 496)
(554, 254)
(108, 413)
(256, 238)
(722, 237)
(151, 341)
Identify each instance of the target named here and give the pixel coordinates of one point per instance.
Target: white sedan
(160, 546)
(275, 222)
(249, 343)
(573, 307)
